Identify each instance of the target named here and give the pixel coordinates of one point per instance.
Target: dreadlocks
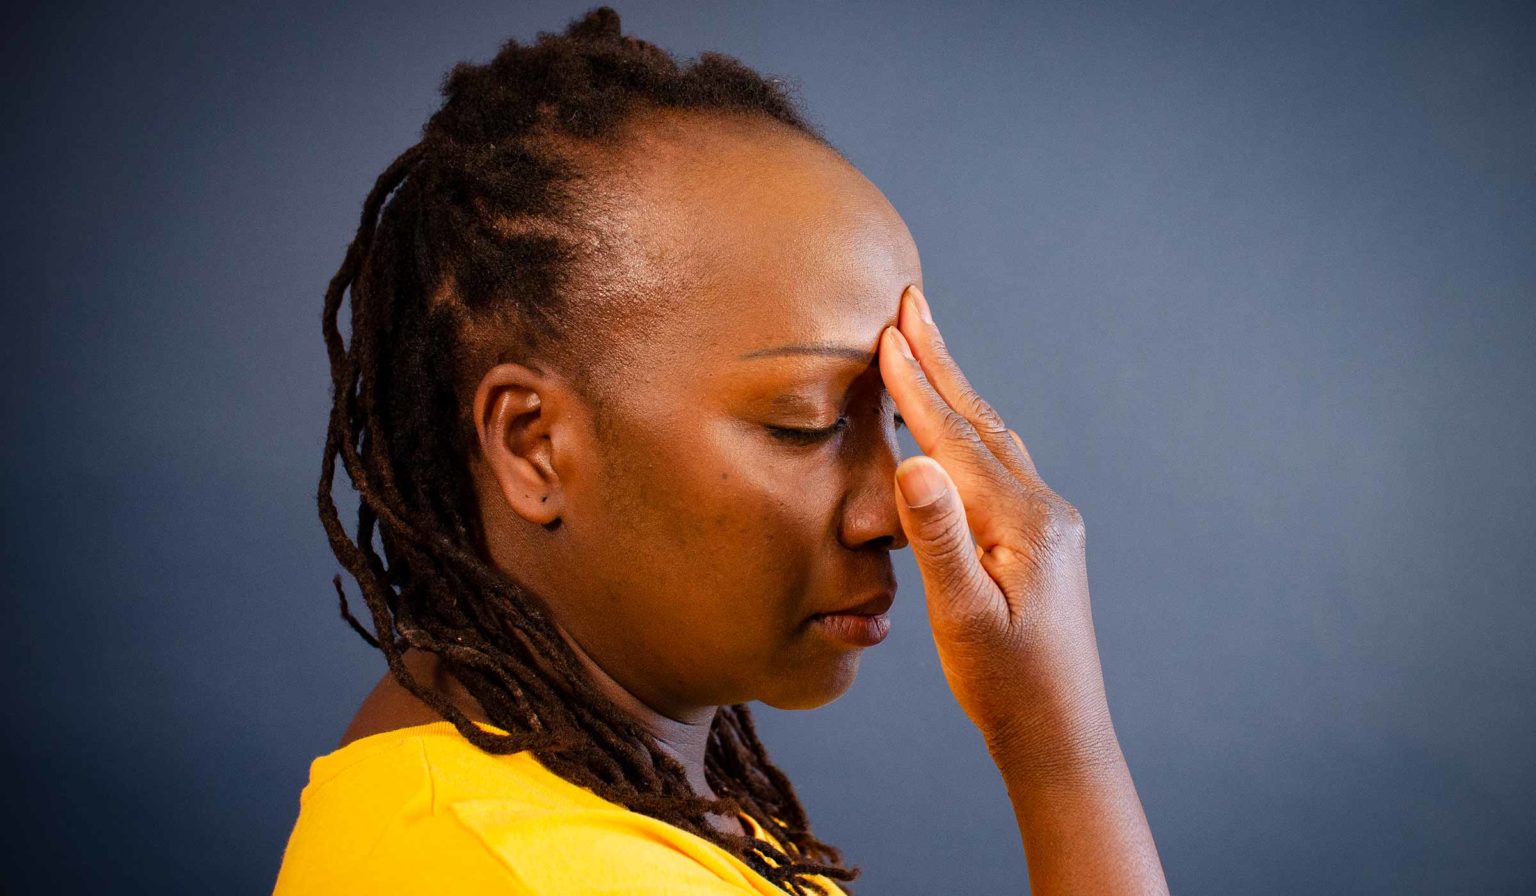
(476, 230)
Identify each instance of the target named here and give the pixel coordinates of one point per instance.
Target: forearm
(1082, 824)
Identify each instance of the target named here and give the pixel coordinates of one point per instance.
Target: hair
(473, 247)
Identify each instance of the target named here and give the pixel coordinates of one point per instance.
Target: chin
(810, 687)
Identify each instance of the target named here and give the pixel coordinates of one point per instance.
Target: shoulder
(369, 821)
(611, 851)
(424, 811)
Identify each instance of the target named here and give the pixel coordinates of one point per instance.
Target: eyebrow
(832, 351)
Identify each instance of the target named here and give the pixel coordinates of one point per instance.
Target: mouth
(875, 605)
(864, 624)
(852, 628)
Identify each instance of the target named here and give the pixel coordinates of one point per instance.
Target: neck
(682, 735)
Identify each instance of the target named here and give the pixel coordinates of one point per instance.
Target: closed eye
(812, 436)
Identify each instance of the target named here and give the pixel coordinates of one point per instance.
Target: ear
(514, 417)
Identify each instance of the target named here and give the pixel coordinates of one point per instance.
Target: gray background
(1254, 281)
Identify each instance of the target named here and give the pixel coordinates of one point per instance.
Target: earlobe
(513, 429)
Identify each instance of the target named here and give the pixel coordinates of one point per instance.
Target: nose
(869, 510)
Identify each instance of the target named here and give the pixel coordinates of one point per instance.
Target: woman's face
(697, 536)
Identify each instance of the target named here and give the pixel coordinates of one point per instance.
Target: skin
(695, 542)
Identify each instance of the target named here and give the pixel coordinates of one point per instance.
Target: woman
(629, 343)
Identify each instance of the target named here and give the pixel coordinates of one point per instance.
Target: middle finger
(947, 437)
(916, 324)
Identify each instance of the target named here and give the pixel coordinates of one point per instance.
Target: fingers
(945, 435)
(916, 324)
(959, 397)
(959, 590)
(1026, 463)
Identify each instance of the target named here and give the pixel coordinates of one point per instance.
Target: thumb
(957, 588)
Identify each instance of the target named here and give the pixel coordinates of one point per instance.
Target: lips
(871, 606)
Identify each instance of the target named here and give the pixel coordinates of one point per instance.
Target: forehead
(753, 235)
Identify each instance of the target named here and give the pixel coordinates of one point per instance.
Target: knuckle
(945, 550)
(955, 427)
(1041, 506)
(945, 541)
(1050, 522)
(1065, 523)
(982, 415)
(940, 350)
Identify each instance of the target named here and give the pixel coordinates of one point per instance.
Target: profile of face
(742, 478)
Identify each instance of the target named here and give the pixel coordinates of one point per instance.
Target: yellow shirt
(421, 810)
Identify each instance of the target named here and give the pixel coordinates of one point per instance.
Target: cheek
(719, 530)
(744, 533)
(746, 523)
(761, 517)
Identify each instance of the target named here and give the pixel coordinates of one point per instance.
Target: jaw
(824, 674)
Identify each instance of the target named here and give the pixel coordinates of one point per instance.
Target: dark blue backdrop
(1256, 282)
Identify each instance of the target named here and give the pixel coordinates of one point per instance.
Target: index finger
(939, 366)
(947, 437)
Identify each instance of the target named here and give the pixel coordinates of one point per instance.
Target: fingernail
(921, 484)
(922, 304)
(901, 343)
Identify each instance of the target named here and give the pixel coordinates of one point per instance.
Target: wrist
(1063, 744)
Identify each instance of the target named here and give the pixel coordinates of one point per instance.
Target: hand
(1009, 611)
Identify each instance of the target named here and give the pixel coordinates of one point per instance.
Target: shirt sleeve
(552, 852)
